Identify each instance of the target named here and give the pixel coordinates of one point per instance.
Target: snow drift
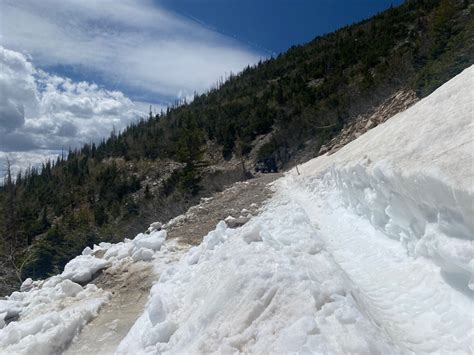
(51, 314)
(267, 287)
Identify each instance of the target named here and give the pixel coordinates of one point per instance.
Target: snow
(50, 315)
(412, 177)
(268, 286)
(143, 254)
(152, 241)
(45, 316)
(82, 268)
(369, 250)
(156, 226)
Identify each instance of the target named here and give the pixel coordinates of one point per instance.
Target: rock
(156, 226)
(369, 124)
(236, 222)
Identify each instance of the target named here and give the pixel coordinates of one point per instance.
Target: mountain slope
(294, 103)
(367, 250)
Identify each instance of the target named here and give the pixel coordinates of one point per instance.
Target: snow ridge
(428, 217)
(412, 177)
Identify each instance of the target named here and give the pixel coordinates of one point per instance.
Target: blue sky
(74, 70)
(275, 25)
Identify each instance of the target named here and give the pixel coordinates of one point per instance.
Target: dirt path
(240, 199)
(129, 283)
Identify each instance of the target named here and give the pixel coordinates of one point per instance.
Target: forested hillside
(160, 165)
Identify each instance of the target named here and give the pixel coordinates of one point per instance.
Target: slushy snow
(50, 315)
(46, 315)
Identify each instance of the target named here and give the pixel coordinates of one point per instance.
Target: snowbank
(412, 177)
(83, 267)
(267, 287)
(48, 316)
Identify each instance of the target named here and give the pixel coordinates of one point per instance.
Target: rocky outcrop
(394, 104)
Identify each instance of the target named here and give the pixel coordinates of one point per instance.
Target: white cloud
(17, 89)
(41, 113)
(24, 160)
(133, 42)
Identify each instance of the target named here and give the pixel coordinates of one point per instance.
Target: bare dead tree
(19, 264)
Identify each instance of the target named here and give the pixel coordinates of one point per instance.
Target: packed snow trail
(408, 298)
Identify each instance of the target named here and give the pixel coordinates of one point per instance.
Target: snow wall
(412, 177)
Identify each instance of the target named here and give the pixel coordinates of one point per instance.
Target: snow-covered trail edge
(409, 298)
(395, 209)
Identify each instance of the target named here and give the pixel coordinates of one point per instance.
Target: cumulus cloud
(42, 113)
(131, 46)
(135, 43)
(17, 89)
(23, 160)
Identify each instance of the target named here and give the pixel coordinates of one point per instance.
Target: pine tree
(10, 225)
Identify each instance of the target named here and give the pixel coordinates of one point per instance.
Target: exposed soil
(241, 199)
(129, 285)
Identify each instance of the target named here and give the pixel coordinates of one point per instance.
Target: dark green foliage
(309, 92)
(61, 243)
(190, 152)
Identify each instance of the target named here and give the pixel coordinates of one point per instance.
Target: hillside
(286, 107)
(366, 251)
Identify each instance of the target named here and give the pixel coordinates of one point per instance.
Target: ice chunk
(82, 268)
(26, 285)
(152, 241)
(143, 254)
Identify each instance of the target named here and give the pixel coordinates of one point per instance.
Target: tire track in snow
(406, 297)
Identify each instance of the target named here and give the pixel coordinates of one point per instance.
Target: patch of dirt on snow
(241, 199)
